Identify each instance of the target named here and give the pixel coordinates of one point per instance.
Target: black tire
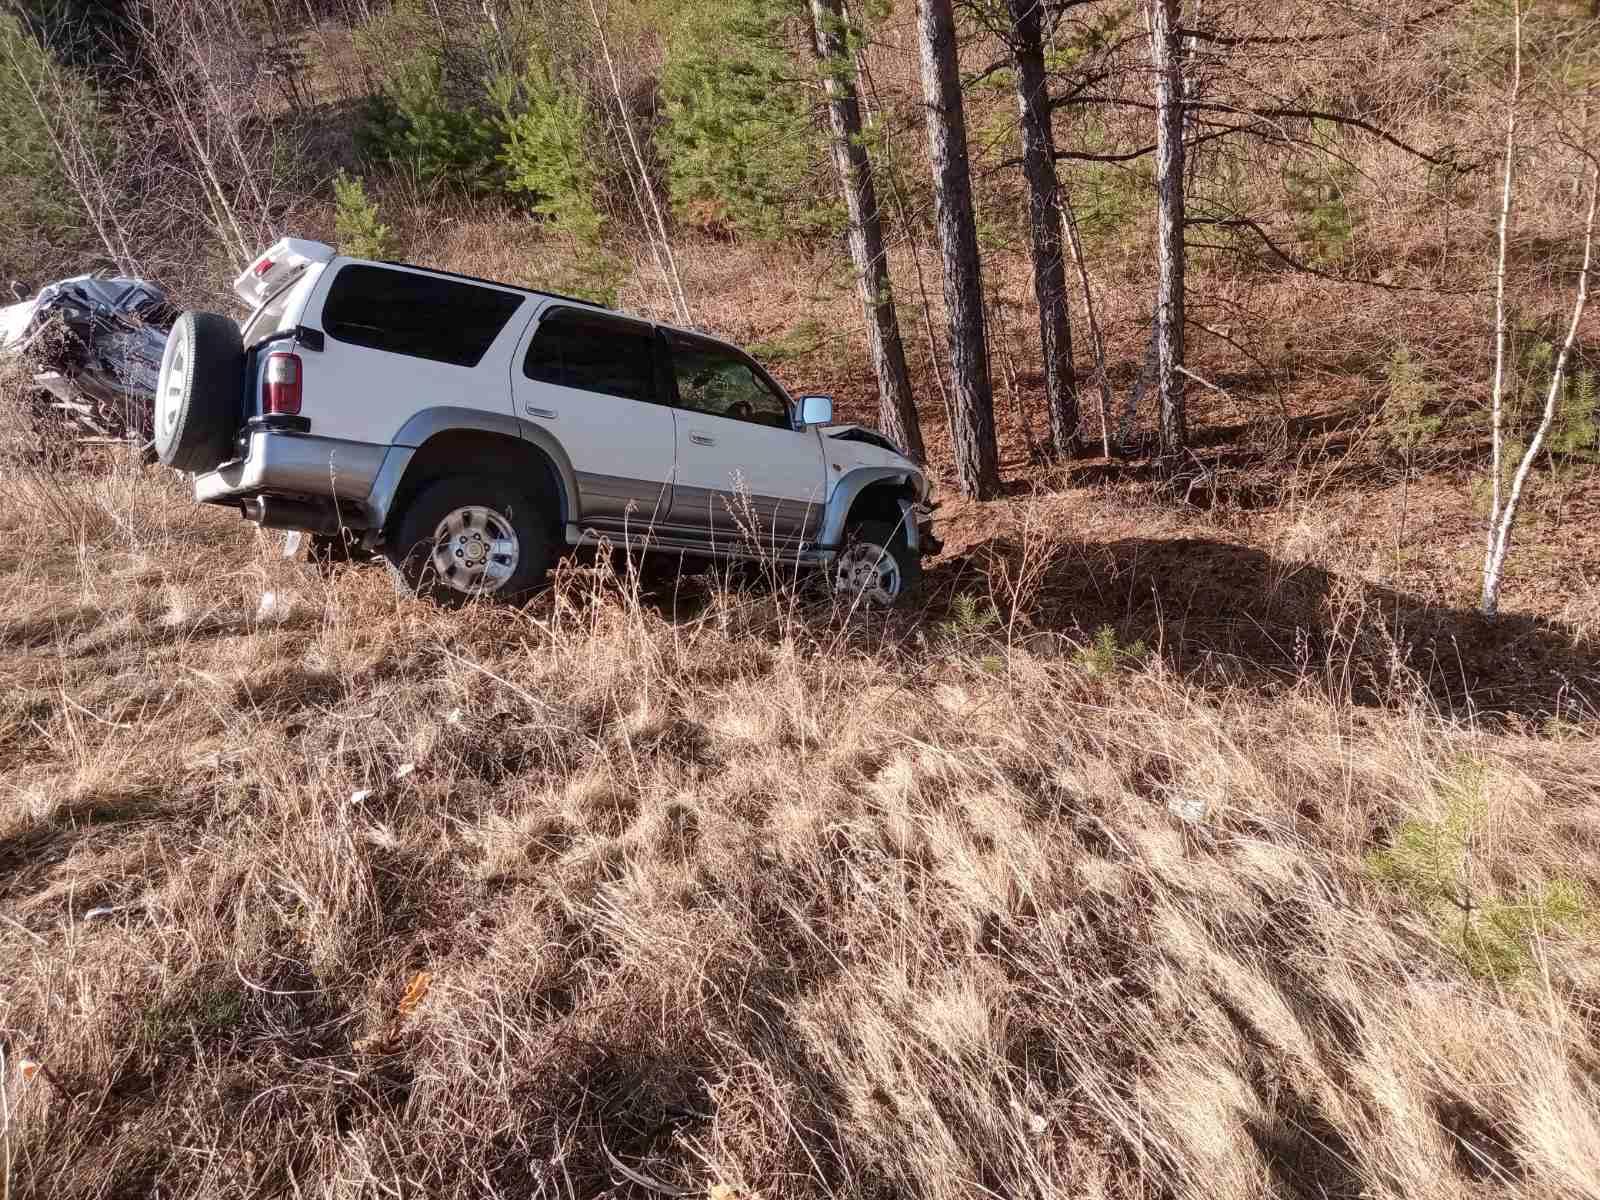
(198, 393)
(890, 538)
(410, 545)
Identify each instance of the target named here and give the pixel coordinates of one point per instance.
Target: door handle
(549, 414)
(702, 439)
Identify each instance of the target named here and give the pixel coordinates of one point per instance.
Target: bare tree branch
(1218, 39)
(1300, 265)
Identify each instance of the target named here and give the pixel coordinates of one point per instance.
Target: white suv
(468, 430)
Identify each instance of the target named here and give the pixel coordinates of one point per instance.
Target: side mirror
(816, 410)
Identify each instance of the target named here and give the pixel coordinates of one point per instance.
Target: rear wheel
(197, 392)
(462, 538)
(876, 566)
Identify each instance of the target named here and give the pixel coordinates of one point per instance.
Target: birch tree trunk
(1166, 56)
(1044, 223)
(897, 410)
(1503, 512)
(972, 407)
(1500, 534)
(1497, 394)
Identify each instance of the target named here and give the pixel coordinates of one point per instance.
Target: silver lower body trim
(743, 512)
(669, 541)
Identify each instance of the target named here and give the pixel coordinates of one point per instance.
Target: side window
(578, 349)
(714, 381)
(424, 316)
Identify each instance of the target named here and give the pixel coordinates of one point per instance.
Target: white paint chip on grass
(274, 608)
(1187, 808)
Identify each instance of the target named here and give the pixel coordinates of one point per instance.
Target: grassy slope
(352, 896)
(754, 896)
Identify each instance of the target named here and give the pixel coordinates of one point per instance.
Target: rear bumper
(327, 471)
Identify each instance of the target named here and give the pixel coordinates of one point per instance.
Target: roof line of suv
(593, 307)
(496, 283)
(533, 291)
(562, 296)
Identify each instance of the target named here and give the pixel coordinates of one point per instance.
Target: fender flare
(845, 493)
(451, 418)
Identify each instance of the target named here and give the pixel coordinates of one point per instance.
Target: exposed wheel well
(880, 502)
(463, 451)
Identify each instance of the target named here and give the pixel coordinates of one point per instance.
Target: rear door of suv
(744, 471)
(397, 341)
(591, 380)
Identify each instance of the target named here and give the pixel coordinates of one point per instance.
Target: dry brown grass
(347, 895)
(339, 895)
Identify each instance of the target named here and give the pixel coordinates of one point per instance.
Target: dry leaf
(721, 1191)
(415, 991)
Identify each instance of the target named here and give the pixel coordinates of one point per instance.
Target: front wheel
(462, 538)
(876, 566)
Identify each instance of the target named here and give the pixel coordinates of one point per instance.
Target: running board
(658, 543)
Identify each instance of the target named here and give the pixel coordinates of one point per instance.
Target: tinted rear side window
(578, 349)
(420, 315)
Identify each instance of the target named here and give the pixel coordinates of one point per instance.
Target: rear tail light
(280, 387)
(263, 267)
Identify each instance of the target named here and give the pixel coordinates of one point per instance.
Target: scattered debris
(416, 992)
(274, 608)
(1190, 809)
(93, 348)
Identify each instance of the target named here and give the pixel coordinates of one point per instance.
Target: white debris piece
(1187, 808)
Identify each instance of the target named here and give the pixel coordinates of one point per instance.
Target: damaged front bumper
(920, 539)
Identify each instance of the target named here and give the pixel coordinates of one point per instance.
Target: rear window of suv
(445, 320)
(592, 351)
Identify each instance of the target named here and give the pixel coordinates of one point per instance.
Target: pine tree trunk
(1166, 46)
(1044, 223)
(897, 410)
(972, 427)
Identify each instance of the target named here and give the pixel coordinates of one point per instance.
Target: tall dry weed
(725, 889)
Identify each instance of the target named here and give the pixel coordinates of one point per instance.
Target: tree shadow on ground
(1249, 465)
(1218, 610)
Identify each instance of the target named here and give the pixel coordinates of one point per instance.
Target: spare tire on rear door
(197, 396)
